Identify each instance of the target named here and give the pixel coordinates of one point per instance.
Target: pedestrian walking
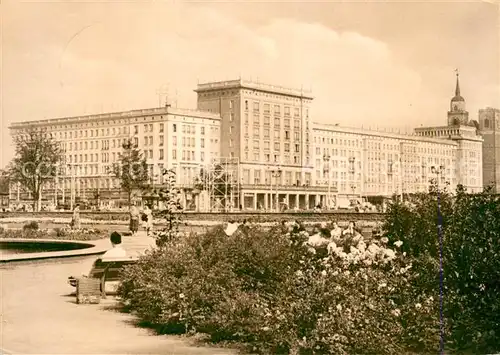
(134, 219)
(75, 221)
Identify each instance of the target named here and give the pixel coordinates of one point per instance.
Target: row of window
(266, 109)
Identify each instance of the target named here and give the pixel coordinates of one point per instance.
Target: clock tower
(458, 116)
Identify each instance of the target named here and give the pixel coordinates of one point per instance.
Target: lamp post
(326, 171)
(275, 174)
(439, 171)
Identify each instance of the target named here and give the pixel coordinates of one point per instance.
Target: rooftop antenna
(163, 90)
(176, 97)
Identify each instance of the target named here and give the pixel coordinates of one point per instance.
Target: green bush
(57, 233)
(274, 293)
(33, 226)
(471, 266)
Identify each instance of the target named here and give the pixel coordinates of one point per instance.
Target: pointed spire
(457, 89)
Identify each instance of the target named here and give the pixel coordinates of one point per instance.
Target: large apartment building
(267, 130)
(170, 138)
(364, 163)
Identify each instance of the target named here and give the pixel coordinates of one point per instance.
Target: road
(39, 316)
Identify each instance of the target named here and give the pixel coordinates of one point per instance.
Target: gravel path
(39, 317)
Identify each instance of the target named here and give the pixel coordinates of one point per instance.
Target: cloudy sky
(385, 64)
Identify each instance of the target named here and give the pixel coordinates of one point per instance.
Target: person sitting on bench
(117, 252)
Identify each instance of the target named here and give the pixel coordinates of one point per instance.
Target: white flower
(382, 285)
(299, 273)
(482, 287)
(339, 307)
(418, 306)
(323, 273)
(396, 312)
(398, 243)
(323, 224)
(265, 329)
(181, 295)
(384, 240)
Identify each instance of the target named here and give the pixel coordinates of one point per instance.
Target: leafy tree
(131, 169)
(36, 162)
(169, 195)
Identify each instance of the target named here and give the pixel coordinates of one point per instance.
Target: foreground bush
(273, 292)
(471, 263)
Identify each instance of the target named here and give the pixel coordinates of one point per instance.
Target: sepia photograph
(249, 177)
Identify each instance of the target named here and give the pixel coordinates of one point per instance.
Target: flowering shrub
(276, 292)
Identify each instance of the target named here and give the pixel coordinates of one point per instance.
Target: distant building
(267, 130)
(489, 119)
(259, 148)
(467, 157)
(171, 138)
(365, 163)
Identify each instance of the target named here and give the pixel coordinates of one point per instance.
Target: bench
(94, 285)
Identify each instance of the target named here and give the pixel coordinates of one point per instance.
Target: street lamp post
(275, 174)
(439, 171)
(326, 171)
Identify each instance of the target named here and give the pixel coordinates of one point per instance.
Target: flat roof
(374, 133)
(254, 85)
(118, 115)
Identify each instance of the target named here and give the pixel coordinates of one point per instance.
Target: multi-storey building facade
(468, 156)
(264, 138)
(170, 138)
(489, 119)
(268, 131)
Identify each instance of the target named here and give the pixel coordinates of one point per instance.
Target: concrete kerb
(95, 247)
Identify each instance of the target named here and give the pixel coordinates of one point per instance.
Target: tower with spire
(458, 116)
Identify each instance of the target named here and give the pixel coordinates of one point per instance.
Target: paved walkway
(39, 317)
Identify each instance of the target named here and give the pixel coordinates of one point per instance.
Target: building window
(231, 104)
(161, 154)
(174, 141)
(161, 140)
(246, 105)
(202, 130)
(174, 154)
(174, 127)
(230, 143)
(203, 142)
(287, 111)
(276, 146)
(297, 148)
(151, 127)
(267, 108)
(161, 127)
(277, 109)
(145, 128)
(256, 106)
(296, 112)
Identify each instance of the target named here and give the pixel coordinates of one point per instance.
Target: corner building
(169, 138)
(266, 131)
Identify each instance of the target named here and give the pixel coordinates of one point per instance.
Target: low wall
(261, 217)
